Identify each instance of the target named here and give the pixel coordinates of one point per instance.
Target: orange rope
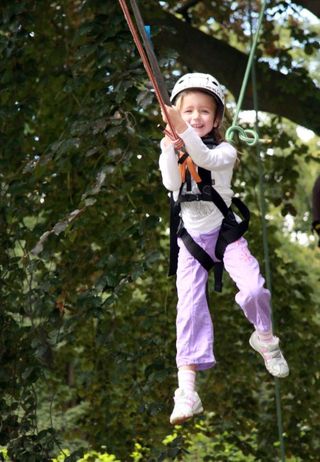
(177, 141)
(146, 64)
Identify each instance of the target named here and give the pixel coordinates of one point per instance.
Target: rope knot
(247, 135)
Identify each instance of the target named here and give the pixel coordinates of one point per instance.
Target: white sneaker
(272, 355)
(186, 405)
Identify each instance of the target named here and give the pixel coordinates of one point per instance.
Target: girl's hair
(216, 133)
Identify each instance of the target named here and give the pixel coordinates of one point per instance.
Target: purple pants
(194, 324)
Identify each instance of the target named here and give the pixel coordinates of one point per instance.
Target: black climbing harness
(230, 230)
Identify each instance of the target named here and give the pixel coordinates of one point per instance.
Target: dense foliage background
(87, 344)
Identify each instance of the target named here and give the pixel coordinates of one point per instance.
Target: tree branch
(292, 96)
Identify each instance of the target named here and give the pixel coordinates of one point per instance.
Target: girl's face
(199, 110)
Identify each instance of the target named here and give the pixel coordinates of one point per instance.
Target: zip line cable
(265, 236)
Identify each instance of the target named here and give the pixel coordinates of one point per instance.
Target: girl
(196, 116)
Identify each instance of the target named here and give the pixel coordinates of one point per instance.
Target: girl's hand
(175, 118)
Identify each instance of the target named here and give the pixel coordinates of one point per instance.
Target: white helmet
(200, 81)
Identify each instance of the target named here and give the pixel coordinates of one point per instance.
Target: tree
(86, 300)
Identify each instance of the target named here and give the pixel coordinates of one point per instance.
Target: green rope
(249, 136)
(263, 209)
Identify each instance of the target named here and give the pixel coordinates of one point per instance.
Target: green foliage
(64, 456)
(204, 443)
(91, 456)
(87, 344)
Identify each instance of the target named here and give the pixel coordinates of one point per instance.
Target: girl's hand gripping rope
(171, 139)
(177, 123)
(180, 126)
(175, 118)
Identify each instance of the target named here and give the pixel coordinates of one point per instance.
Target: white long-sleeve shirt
(199, 217)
